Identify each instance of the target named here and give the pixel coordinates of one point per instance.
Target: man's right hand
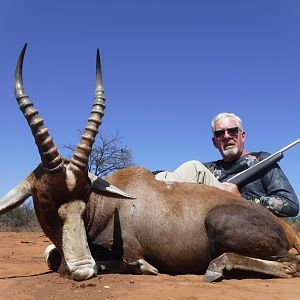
(232, 188)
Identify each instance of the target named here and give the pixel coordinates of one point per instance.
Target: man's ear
(243, 136)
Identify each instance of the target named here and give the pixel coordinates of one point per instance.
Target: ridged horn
(79, 160)
(51, 160)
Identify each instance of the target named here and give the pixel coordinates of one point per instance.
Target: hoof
(211, 276)
(146, 268)
(140, 266)
(52, 257)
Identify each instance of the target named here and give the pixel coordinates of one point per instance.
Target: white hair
(226, 115)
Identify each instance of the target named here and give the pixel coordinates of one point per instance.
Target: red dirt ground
(24, 275)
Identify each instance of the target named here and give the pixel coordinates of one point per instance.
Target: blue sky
(168, 68)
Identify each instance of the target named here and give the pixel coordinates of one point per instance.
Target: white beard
(230, 152)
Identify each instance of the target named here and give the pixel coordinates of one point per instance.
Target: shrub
(22, 218)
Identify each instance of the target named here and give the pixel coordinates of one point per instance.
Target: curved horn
(51, 160)
(79, 160)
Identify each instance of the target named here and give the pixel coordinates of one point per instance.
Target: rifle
(263, 164)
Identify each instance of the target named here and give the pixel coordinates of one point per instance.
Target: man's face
(228, 139)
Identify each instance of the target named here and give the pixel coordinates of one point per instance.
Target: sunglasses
(231, 131)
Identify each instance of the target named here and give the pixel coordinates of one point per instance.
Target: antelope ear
(16, 196)
(100, 185)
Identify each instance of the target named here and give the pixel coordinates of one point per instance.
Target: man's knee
(167, 176)
(191, 166)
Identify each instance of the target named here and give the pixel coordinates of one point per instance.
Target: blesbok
(150, 226)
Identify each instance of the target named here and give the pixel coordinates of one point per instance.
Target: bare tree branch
(107, 156)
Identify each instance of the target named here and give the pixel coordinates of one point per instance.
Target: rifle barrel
(246, 174)
(290, 146)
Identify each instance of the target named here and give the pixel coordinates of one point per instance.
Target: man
(270, 188)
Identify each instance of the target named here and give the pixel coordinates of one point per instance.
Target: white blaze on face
(74, 241)
(70, 180)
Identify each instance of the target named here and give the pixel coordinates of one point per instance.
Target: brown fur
(292, 236)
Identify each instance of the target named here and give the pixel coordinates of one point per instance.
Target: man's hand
(232, 188)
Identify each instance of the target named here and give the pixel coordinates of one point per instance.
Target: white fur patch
(70, 180)
(74, 241)
(169, 184)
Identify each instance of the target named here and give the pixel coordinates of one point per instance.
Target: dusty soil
(24, 275)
